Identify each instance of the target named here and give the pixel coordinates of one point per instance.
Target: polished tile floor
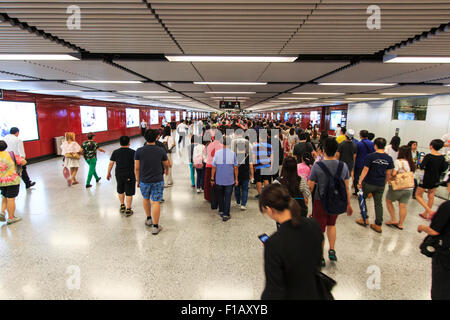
(74, 244)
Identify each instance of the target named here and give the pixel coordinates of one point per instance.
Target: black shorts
(127, 186)
(10, 191)
(261, 178)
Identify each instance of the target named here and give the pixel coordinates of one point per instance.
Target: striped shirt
(261, 155)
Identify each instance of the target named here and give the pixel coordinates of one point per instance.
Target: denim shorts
(154, 189)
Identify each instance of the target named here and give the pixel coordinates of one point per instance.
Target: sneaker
(122, 208)
(149, 222)
(221, 214)
(332, 255)
(88, 186)
(323, 264)
(376, 228)
(226, 218)
(243, 208)
(198, 190)
(162, 200)
(257, 196)
(155, 230)
(98, 180)
(166, 186)
(32, 184)
(129, 212)
(14, 220)
(2, 217)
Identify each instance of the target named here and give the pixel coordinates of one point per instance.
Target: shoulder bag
(404, 180)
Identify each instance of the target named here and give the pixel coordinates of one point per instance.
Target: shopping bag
(214, 198)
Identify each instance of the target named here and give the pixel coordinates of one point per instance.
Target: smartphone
(263, 237)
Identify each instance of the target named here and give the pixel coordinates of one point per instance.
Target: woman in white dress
(71, 152)
(392, 148)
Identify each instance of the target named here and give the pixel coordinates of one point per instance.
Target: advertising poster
(168, 116)
(93, 119)
(177, 116)
(154, 117)
(132, 117)
(21, 115)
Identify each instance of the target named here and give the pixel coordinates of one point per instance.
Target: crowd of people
(303, 178)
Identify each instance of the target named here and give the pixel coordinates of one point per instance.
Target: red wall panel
(57, 115)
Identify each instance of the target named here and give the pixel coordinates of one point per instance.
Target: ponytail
(295, 210)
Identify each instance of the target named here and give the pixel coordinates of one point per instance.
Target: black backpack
(334, 200)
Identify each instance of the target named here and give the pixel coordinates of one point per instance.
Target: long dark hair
(308, 159)
(395, 143)
(404, 152)
(289, 175)
(277, 197)
(166, 132)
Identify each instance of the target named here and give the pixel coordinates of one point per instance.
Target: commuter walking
(304, 167)
(262, 160)
(342, 136)
(440, 270)
(377, 171)
(123, 158)
(9, 182)
(224, 175)
(245, 173)
(331, 177)
(365, 147)
(292, 254)
(182, 132)
(211, 149)
(143, 127)
(169, 145)
(347, 151)
(392, 148)
(199, 161)
(434, 165)
(404, 164)
(71, 151)
(90, 148)
(15, 144)
(149, 177)
(302, 147)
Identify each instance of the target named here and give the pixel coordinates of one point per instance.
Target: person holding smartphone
(293, 254)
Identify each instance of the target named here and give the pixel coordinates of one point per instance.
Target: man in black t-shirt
(302, 147)
(347, 151)
(126, 180)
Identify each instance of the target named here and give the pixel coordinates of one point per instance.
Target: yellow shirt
(340, 139)
(8, 173)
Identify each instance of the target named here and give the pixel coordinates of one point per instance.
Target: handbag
(73, 155)
(19, 169)
(325, 285)
(404, 180)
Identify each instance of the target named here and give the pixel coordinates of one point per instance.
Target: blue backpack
(334, 199)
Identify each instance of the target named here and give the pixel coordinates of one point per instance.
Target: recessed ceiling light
(233, 83)
(25, 56)
(142, 91)
(396, 59)
(105, 81)
(319, 93)
(204, 58)
(363, 84)
(217, 92)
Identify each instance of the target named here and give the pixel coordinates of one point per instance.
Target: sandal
(398, 227)
(391, 224)
(423, 216)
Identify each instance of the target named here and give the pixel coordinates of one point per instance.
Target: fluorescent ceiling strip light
(362, 99)
(370, 84)
(54, 91)
(299, 99)
(319, 93)
(8, 56)
(217, 92)
(162, 97)
(143, 91)
(204, 58)
(403, 94)
(232, 83)
(104, 81)
(9, 81)
(97, 97)
(395, 59)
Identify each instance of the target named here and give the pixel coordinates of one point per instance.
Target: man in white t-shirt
(16, 145)
(181, 130)
(143, 127)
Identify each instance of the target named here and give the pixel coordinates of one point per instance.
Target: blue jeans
(200, 177)
(224, 197)
(237, 192)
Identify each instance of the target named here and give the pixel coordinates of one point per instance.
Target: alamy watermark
(73, 22)
(374, 20)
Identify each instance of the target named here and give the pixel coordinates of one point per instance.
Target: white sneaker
(2, 217)
(243, 208)
(149, 222)
(198, 190)
(155, 231)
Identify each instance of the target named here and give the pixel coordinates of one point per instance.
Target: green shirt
(90, 149)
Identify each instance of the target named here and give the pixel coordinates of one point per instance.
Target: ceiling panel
(298, 72)
(37, 85)
(163, 71)
(231, 71)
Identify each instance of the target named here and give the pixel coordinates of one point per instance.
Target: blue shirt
(378, 164)
(365, 147)
(224, 161)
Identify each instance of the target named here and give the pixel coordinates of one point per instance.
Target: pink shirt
(211, 151)
(303, 170)
(70, 147)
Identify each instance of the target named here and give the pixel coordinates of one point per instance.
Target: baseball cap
(350, 133)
